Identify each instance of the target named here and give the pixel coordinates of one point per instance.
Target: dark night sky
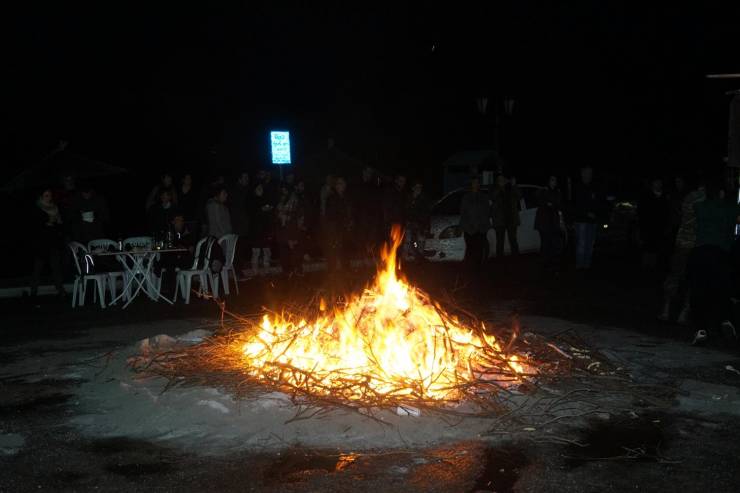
(157, 86)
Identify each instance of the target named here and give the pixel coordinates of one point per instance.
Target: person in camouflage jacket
(675, 286)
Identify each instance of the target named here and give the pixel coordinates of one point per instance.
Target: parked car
(446, 242)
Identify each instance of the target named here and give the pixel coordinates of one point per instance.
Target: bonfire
(393, 347)
(389, 343)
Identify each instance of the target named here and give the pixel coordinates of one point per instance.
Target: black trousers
(709, 286)
(513, 243)
(551, 247)
(53, 257)
(291, 257)
(476, 248)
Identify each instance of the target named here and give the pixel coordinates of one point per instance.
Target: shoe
(728, 330)
(699, 337)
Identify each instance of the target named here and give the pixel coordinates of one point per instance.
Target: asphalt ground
(657, 451)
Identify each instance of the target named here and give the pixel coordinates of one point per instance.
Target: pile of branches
(497, 391)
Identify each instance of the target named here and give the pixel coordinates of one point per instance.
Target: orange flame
(392, 339)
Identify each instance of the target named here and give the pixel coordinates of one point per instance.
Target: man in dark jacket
(654, 213)
(547, 224)
(709, 264)
(394, 203)
(159, 216)
(182, 237)
(366, 206)
(90, 216)
(586, 208)
(475, 222)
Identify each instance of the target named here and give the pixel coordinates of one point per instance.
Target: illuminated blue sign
(280, 145)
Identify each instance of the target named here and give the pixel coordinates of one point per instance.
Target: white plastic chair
(202, 272)
(113, 276)
(228, 245)
(79, 287)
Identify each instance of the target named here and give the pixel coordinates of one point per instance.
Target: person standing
(547, 224)
(418, 213)
(586, 205)
(261, 228)
(506, 197)
(327, 189)
(47, 241)
(675, 286)
(187, 198)
(91, 216)
(165, 183)
(216, 181)
(654, 215)
(159, 216)
(394, 203)
(290, 230)
(66, 197)
(709, 263)
(365, 203)
(238, 200)
(676, 197)
(219, 218)
(475, 222)
(339, 225)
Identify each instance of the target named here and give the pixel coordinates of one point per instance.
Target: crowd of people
(687, 237)
(687, 234)
(343, 218)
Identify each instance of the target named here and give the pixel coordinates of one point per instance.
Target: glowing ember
(391, 342)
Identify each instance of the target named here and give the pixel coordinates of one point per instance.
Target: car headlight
(450, 232)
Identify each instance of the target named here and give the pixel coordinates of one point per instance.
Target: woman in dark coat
(47, 241)
(547, 224)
